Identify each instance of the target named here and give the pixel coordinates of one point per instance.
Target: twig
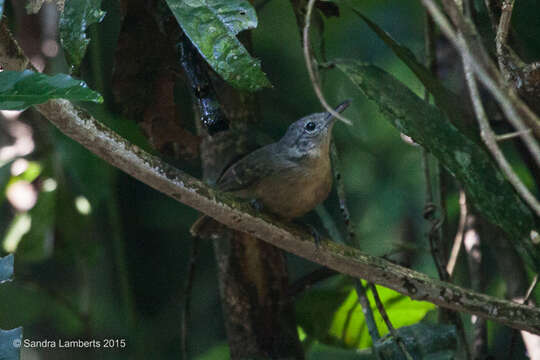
(340, 188)
(430, 207)
(388, 323)
(458, 239)
(488, 136)
(530, 289)
(311, 71)
(530, 341)
(366, 310)
(187, 296)
(510, 135)
(513, 107)
(471, 240)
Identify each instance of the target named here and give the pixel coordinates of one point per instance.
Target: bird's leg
(312, 230)
(315, 233)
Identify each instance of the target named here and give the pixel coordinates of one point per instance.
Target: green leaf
(6, 268)
(212, 26)
(1, 8)
(445, 99)
(10, 344)
(19, 90)
(77, 16)
(349, 326)
(315, 311)
(484, 183)
(335, 317)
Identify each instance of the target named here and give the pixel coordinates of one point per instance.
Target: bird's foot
(315, 233)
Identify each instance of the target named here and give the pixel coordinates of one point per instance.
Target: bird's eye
(310, 126)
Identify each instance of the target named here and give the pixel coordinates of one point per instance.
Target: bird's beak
(339, 109)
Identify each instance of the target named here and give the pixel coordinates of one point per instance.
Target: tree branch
(240, 216)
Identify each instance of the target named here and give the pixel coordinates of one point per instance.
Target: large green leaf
(484, 183)
(77, 16)
(348, 323)
(446, 100)
(336, 317)
(212, 26)
(315, 312)
(19, 90)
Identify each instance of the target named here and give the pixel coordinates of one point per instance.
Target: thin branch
(531, 288)
(510, 135)
(488, 136)
(340, 189)
(388, 323)
(458, 239)
(472, 242)
(186, 309)
(368, 313)
(514, 108)
(311, 71)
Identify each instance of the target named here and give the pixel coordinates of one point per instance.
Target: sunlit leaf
(77, 16)
(336, 317)
(461, 156)
(212, 26)
(19, 90)
(349, 326)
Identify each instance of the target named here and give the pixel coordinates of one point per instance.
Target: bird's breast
(296, 190)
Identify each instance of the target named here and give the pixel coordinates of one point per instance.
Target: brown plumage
(289, 177)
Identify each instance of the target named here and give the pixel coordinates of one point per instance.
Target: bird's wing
(247, 171)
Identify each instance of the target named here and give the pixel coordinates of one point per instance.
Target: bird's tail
(205, 227)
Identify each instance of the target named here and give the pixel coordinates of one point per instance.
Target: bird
(287, 178)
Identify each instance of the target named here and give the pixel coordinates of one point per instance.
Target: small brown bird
(289, 177)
